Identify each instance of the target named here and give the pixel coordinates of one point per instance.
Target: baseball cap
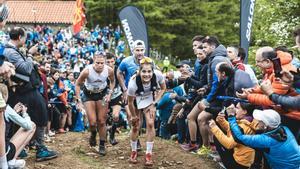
(270, 117)
(183, 62)
(138, 43)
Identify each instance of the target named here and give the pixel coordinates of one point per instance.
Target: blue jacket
(281, 154)
(166, 104)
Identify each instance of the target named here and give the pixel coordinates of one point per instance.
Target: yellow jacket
(242, 154)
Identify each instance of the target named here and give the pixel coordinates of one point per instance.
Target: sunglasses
(146, 60)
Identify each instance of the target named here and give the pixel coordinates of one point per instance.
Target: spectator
(278, 143)
(27, 92)
(21, 138)
(166, 64)
(242, 156)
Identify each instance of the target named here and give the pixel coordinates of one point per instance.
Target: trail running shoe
(133, 157)
(148, 160)
(204, 151)
(44, 154)
(102, 150)
(92, 140)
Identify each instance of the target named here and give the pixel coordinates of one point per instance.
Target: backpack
(140, 89)
(251, 73)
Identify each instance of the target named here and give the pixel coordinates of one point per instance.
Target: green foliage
(173, 23)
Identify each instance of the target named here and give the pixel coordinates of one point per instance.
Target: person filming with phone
(267, 60)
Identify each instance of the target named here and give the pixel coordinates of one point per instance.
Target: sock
(102, 142)
(149, 147)
(3, 162)
(133, 145)
(113, 130)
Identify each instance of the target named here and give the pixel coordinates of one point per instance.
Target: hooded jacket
(242, 154)
(280, 146)
(217, 56)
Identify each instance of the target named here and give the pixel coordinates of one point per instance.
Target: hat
(138, 43)
(2, 101)
(3, 12)
(270, 117)
(183, 62)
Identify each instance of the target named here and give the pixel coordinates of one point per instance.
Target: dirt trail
(74, 153)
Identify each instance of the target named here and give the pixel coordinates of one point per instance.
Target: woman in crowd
(143, 96)
(242, 156)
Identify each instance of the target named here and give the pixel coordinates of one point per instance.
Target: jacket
(217, 56)
(201, 77)
(280, 148)
(286, 101)
(242, 154)
(258, 98)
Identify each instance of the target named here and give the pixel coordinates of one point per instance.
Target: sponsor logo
(250, 19)
(128, 33)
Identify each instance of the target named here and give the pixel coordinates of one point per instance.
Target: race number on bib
(144, 101)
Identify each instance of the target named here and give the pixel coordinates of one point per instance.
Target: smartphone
(277, 67)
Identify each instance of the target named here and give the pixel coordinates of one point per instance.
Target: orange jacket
(242, 154)
(258, 98)
(64, 95)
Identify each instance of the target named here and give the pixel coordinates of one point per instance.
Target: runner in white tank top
(95, 97)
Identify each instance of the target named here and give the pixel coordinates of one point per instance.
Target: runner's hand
(125, 97)
(134, 120)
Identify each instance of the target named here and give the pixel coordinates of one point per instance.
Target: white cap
(139, 43)
(270, 117)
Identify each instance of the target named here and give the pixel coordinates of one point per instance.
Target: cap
(183, 62)
(270, 117)
(138, 43)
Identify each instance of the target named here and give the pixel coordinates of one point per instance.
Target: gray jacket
(290, 102)
(23, 65)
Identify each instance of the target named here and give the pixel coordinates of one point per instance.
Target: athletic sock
(133, 145)
(149, 147)
(102, 142)
(3, 162)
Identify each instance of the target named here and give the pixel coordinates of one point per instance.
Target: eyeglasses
(146, 60)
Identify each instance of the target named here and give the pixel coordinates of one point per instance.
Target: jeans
(164, 131)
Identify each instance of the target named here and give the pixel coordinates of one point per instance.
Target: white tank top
(96, 82)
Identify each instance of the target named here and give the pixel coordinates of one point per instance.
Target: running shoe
(189, 147)
(204, 151)
(23, 154)
(133, 157)
(61, 131)
(44, 154)
(102, 150)
(113, 142)
(16, 163)
(148, 160)
(51, 134)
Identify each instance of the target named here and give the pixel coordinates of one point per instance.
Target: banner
(134, 26)
(246, 20)
(79, 17)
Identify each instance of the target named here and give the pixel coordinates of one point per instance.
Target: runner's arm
(160, 93)
(111, 79)
(131, 105)
(83, 75)
(121, 80)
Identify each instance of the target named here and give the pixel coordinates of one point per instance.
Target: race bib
(144, 101)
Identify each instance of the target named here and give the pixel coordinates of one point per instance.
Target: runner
(127, 69)
(95, 97)
(116, 99)
(143, 95)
